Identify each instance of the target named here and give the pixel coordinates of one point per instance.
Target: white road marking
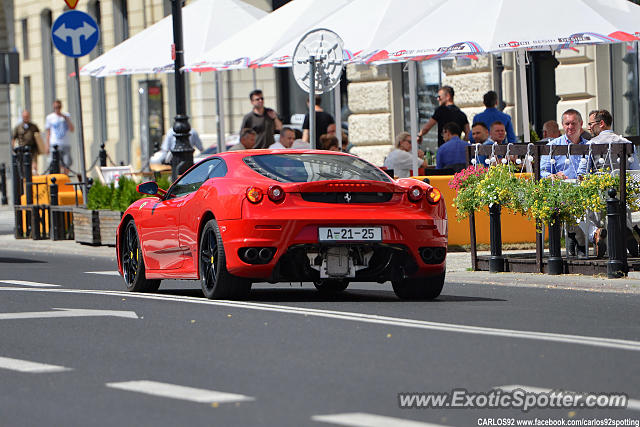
(29, 367)
(104, 273)
(179, 392)
(632, 404)
(26, 283)
(617, 344)
(361, 419)
(68, 312)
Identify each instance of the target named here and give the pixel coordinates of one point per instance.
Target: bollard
(496, 261)
(3, 183)
(54, 223)
(616, 241)
(17, 187)
(555, 264)
(26, 172)
(17, 180)
(55, 161)
(102, 155)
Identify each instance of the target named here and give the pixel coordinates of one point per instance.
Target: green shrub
(110, 197)
(100, 196)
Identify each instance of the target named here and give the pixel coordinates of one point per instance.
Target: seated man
(401, 160)
(453, 153)
(287, 137)
(550, 130)
(247, 140)
(599, 125)
(557, 167)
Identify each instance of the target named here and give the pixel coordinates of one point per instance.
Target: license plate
(347, 234)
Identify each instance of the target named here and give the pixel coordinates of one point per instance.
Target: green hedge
(110, 197)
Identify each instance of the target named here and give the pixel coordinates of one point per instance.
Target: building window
(25, 39)
(99, 109)
(26, 87)
(48, 66)
(427, 85)
(125, 102)
(624, 88)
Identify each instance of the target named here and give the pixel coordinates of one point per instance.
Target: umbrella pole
(413, 112)
(220, 109)
(524, 99)
(312, 101)
(338, 114)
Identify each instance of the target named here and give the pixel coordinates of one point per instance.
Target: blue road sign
(75, 33)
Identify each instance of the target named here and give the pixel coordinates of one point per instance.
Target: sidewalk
(458, 264)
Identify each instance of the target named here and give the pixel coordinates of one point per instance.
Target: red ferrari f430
(285, 216)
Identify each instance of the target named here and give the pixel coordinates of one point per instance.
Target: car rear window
(306, 167)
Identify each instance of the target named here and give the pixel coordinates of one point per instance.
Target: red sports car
(285, 216)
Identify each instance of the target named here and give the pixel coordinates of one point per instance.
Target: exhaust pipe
(251, 254)
(265, 254)
(427, 254)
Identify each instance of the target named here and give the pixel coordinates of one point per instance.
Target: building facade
(375, 99)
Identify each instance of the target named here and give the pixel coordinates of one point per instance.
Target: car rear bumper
(404, 238)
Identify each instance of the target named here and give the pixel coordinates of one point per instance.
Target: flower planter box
(95, 227)
(86, 227)
(108, 224)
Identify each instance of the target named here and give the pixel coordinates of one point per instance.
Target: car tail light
(254, 194)
(275, 193)
(415, 193)
(434, 196)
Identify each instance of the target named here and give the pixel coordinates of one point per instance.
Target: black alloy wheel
(133, 263)
(217, 282)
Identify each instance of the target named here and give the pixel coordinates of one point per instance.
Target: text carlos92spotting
(514, 399)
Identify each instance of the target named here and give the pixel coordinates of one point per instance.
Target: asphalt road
(290, 357)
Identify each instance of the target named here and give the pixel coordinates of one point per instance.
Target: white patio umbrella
(272, 40)
(507, 25)
(205, 24)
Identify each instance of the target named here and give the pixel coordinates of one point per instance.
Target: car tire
(217, 282)
(417, 289)
(331, 286)
(133, 263)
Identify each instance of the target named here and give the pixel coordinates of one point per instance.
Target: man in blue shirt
(491, 114)
(558, 167)
(453, 153)
(570, 167)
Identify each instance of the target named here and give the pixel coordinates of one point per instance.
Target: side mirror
(151, 188)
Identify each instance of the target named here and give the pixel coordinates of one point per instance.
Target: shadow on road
(7, 260)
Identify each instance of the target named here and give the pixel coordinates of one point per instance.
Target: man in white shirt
(169, 143)
(401, 160)
(599, 125)
(287, 138)
(58, 125)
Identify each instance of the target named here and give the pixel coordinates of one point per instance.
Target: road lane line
(179, 392)
(632, 404)
(68, 312)
(29, 367)
(618, 344)
(104, 273)
(27, 283)
(361, 419)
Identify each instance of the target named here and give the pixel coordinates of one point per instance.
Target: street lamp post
(182, 152)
